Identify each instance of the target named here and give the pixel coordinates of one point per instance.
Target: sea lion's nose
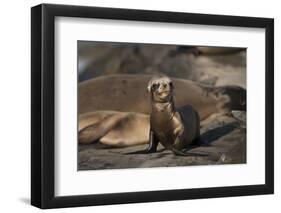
(162, 86)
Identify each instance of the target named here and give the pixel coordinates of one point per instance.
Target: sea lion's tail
(235, 97)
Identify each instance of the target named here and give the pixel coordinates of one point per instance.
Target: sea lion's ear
(149, 88)
(171, 85)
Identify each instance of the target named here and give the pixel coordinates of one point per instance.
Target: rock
(226, 145)
(240, 116)
(214, 66)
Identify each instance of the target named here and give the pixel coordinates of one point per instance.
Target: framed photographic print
(139, 106)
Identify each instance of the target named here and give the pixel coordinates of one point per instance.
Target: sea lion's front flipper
(138, 152)
(185, 152)
(153, 143)
(152, 147)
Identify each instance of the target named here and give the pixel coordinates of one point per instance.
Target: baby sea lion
(175, 128)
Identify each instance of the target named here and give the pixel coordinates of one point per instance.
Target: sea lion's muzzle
(163, 92)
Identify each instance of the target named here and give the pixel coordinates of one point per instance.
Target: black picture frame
(43, 117)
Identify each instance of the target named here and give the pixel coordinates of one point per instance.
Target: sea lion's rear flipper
(185, 152)
(191, 154)
(93, 133)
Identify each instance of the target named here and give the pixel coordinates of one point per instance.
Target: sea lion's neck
(165, 109)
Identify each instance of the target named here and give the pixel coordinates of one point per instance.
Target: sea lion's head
(161, 89)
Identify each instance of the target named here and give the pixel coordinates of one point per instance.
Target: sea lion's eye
(155, 86)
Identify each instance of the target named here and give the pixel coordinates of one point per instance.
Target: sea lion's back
(190, 118)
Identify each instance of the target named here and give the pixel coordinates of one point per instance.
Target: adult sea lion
(175, 128)
(113, 128)
(127, 93)
(218, 50)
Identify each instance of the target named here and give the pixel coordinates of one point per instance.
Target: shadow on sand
(216, 133)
